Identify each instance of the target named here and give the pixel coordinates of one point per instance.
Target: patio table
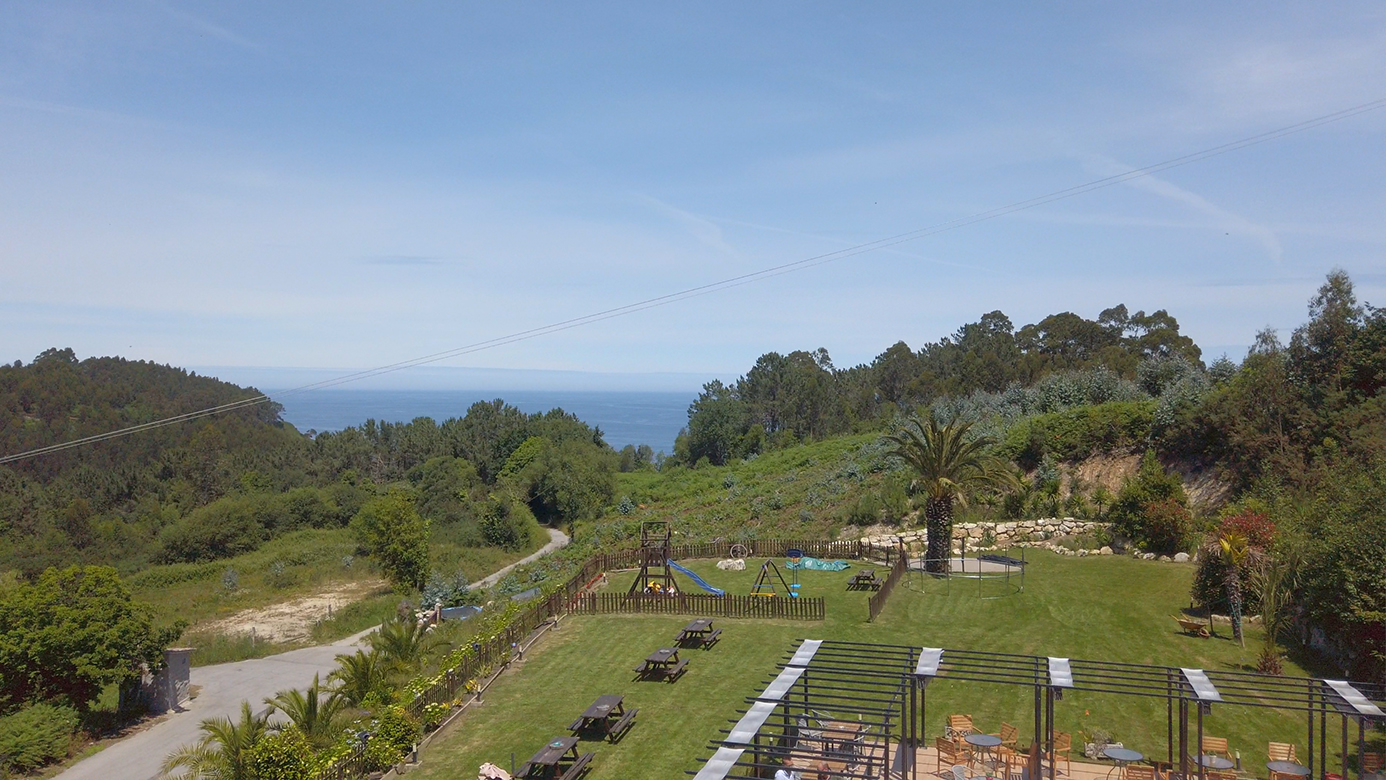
(545, 763)
(1213, 762)
(602, 711)
(1288, 768)
(1121, 757)
(988, 743)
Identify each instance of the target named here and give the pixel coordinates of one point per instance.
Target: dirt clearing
(292, 621)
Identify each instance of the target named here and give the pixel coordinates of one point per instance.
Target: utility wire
(732, 282)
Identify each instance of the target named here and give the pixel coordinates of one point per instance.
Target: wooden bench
(578, 767)
(621, 726)
(672, 673)
(711, 639)
(1192, 627)
(864, 580)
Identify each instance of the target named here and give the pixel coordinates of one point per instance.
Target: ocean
(652, 418)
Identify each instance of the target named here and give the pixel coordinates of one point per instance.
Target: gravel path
(224, 687)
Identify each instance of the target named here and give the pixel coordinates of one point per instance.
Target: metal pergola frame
(888, 684)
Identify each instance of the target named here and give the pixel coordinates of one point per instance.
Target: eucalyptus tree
(949, 467)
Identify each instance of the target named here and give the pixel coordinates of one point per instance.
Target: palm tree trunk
(1234, 600)
(938, 516)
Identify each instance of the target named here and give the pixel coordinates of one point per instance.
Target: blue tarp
(813, 564)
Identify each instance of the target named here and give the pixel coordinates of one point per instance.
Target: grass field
(1112, 608)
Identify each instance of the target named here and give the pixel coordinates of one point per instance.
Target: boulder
(1105, 551)
(1181, 557)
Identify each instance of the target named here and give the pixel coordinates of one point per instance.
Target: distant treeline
(788, 398)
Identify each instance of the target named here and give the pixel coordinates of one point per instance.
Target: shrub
(1077, 433)
(35, 736)
(1150, 509)
(282, 756)
(396, 732)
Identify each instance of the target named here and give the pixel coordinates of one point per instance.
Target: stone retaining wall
(1018, 533)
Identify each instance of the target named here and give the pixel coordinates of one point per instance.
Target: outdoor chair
(1008, 735)
(949, 754)
(1138, 772)
(960, 726)
(1216, 746)
(1063, 743)
(1372, 763)
(1281, 751)
(1213, 774)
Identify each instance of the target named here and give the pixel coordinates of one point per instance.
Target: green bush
(398, 727)
(1151, 509)
(282, 756)
(36, 736)
(1075, 434)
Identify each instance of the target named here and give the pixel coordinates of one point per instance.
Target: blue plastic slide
(699, 581)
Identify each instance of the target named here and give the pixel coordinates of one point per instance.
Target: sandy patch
(292, 621)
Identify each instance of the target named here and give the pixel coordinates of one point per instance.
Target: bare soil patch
(292, 621)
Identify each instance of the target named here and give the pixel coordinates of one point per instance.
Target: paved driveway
(224, 687)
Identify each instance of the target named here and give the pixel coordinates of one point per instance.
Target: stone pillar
(168, 690)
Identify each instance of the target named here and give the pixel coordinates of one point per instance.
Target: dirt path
(224, 687)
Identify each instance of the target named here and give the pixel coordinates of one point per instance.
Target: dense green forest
(221, 486)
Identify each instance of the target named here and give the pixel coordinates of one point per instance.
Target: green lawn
(1112, 608)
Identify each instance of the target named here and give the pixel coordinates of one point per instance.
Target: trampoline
(997, 575)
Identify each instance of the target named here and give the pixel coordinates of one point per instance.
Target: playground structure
(656, 569)
(656, 538)
(765, 587)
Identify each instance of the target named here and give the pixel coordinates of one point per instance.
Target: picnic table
(699, 631)
(664, 662)
(558, 760)
(608, 714)
(865, 579)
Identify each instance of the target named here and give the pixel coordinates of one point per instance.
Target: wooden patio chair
(1372, 763)
(949, 754)
(1009, 736)
(1281, 751)
(1216, 746)
(960, 726)
(1138, 772)
(1214, 774)
(1063, 743)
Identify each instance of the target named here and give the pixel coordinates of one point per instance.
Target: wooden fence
(755, 548)
(705, 605)
(878, 599)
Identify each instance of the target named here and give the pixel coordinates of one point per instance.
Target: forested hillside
(221, 486)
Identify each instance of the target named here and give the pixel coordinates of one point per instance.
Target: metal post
(1361, 740)
(1049, 731)
(1345, 752)
(1202, 770)
(1311, 729)
(1323, 733)
(1169, 719)
(1183, 737)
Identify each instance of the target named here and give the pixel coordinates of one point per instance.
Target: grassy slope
(313, 562)
(1108, 608)
(803, 492)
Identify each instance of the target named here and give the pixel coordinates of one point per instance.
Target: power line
(732, 282)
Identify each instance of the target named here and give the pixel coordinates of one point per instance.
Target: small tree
(223, 752)
(395, 535)
(1272, 577)
(1236, 552)
(317, 715)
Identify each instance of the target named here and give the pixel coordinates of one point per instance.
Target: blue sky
(345, 185)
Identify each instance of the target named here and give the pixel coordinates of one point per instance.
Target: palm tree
(1272, 578)
(223, 751)
(1235, 551)
(320, 715)
(359, 675)
(403, 643)
(949, 465)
